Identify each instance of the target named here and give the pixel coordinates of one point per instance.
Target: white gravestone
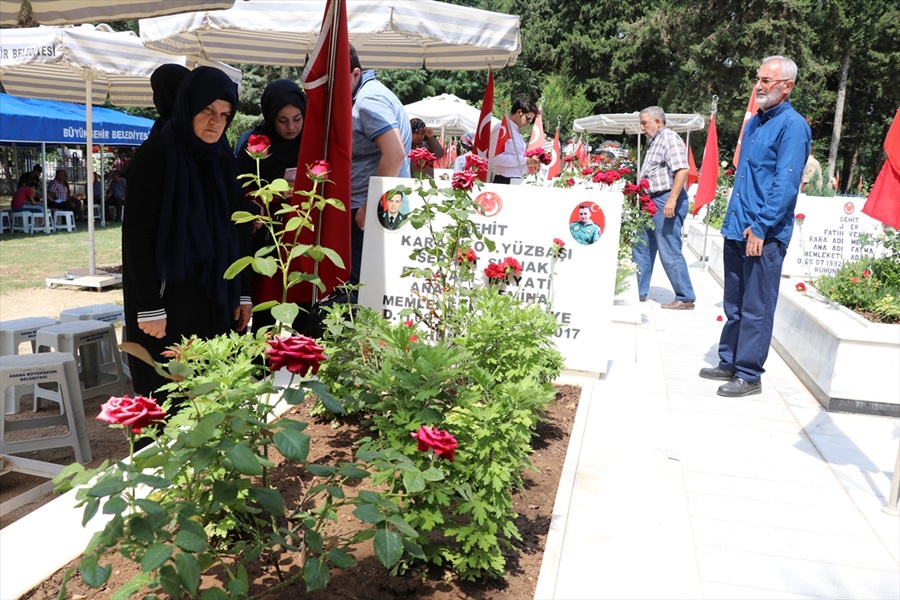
(828, 236)
(522, 221)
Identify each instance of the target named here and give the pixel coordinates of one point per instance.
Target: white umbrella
(630, 124)
(68, 12)
(449, 113)
(83, 64)
(391, 34)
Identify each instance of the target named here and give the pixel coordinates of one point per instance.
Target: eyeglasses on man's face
(529, 118)
(766, 82)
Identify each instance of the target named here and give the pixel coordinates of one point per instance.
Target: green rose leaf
(155, 557)
(92, 573)
(133, 586)
(244, 460)
(286, 312)
(433, 474)
(270, 499)
(188, 571)
(341, 558)
(321, 470)
(141, 530)
(388, 547)
(413, 481)
(153, 481)
(191, 537)
(266, 265)
(402, 526)
(368, 513)
(294, 445)
(316, 574)
(237, 266)
(115, 506)
(214, 594)
(334, 257)
(107, 487)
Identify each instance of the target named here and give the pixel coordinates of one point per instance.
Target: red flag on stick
(555, 167)
(709, 175)
(752, 108)
(332, 226)
(883, 202)
(538, 138)
(483, 133)
(692, 168)
(503, 136)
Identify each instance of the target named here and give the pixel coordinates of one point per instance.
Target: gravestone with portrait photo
(523, 222)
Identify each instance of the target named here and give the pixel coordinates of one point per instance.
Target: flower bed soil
(369, 579)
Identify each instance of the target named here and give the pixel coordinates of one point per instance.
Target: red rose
(135, 412)
(468, 256)
(464, 180)
(570, 182)
(624, 171)
(319, 170)
(800, 217)
(599, 177)
(630, 189)
(421, 156)
(800, 287)
(439, 440)
(475, 163)
(570, 158)
(719, 318)
(298, 353)
(546, 158)
(586, 171)
(534, 152)
(258, 145)
(644, 184)
(612, 176)
(867, 273)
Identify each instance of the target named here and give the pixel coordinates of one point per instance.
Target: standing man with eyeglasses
(511, 164)
(665, 166)
(758, 226)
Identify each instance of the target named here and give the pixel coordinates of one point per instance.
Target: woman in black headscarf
(283, 108)
(178, 238)
(164, 82)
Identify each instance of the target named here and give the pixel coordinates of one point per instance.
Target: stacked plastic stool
(107, 313)
(12, 335)
(85, 341)
(49, 369)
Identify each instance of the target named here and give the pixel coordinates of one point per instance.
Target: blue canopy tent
(28, 120)
(32, 121)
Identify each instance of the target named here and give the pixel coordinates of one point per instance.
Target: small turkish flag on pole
(709, 176)
(483, 133)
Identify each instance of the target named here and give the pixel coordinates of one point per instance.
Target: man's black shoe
(716, 373)
(740, 387)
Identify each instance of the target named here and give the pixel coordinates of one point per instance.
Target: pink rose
(138, 412)
(439, 440)
(463, 180)
(298, 353)
(258, 145)
(319, 170)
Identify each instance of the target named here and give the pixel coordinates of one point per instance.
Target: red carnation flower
(513, 267)
(800, 287)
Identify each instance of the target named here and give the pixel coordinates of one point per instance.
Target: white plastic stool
(84, 339)
(21, 221)
(48, 370)
(5, 223)
(98, 212)
(37, 222)
(12, 334)
(64, 219)
(107, 313)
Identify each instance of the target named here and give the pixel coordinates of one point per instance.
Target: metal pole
(88, 97)
(704, 260)
(893, 497)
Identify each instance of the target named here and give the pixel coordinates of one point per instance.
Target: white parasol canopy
(68, 12)
(447, 113)
(84, 64)
(630, 124)
(390, 34)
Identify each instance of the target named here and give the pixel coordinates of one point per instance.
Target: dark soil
(369, 580)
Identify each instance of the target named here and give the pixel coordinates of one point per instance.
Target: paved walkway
(680, 493)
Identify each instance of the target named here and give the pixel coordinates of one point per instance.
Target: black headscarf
(282, 153)
(196, 238)
(165, 81)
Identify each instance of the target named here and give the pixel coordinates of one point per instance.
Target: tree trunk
(838, 114)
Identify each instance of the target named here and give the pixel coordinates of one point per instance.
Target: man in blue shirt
(381, 141)
(758, 227)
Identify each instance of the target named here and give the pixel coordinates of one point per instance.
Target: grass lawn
(26, 259)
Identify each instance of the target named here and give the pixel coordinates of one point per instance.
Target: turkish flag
(752, 109)
(502, 136)
(483, 133)
(883, 202)
(450, 155)
(709, 176)
(581, 153)
(692, 168)
(331, 226)
(555, 167)
(537, 139)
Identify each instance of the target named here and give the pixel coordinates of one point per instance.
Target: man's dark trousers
(751, 293)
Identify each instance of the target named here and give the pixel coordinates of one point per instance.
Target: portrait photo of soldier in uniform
(394, 210)
(583, 227)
